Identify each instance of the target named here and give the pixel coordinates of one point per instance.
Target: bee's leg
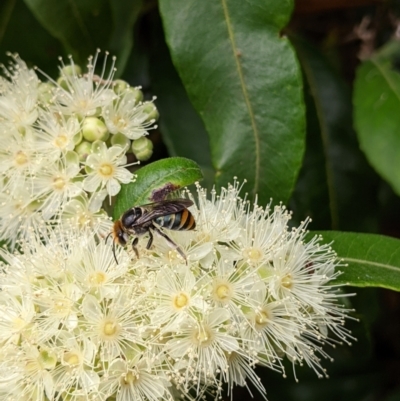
(134, 243)
(113, 249)
(170, 242)
(150, 243)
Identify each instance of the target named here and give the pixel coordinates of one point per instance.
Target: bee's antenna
(113, 247)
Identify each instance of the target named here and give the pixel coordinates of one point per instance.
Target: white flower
(18, 96)
(19, 212)
(28, 375)
(79, 214)
(55, 185)
(201, 346)
(105, 169)
(18, 155)
(262, 232)
(174, 298)
(77, 365)
(17, 314)
(97, 272)
(56, 133)
(136, 380)
(127, 117)
(76, 324)
(88, 93)
(113, 325)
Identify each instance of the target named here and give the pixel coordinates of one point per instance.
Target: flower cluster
(75, 325)
(64, 143)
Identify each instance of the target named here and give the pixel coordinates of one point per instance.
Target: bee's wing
(162, 208)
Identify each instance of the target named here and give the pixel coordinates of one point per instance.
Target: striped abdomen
(182, 220)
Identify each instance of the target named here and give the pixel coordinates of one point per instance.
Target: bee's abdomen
(182, 220)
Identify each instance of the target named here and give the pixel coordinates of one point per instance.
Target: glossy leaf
(376, 112)
(335, 171)
(155, 181)
(243, 79)
(81, 26)
(182, 128)
(371, 260)
(124, 15)
(36, 48)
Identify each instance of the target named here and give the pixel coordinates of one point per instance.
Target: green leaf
(125, 14)
(36, 48)
(376, 112)
(182, 128)
(81, 26)
(243, 79)
(335, 171)
(372, 260)
(155, 181)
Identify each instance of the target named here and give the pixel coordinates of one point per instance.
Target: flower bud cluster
(75, 325)
(65, 143)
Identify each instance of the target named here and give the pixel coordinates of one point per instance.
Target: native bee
(171, 214)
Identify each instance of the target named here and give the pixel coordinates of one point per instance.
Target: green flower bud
(88, 169)
(97, 146)
(142, 148)
(134, 94)
(61, 81)
(71, 70)
(94, 129)
(152, 112)
(83, 149)
(77, 138)
(45, 90)
(120, 140)
(72, 157)
(120, 86)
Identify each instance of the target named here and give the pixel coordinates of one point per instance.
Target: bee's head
(119, 235)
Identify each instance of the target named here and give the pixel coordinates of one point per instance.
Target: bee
(171, 214)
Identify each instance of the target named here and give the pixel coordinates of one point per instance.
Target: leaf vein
(236, 56)
(367, 262)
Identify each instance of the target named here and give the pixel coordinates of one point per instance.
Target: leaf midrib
(369, 263)
(386, 77)
(243, 86)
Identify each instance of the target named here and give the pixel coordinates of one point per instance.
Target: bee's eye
(129, 217)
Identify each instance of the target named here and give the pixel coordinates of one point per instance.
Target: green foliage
(183, 130)
(243, 79)
(335, 171)
(155, 181)
(371, 260)
(82, 26)
(377, 116)
(232, 103)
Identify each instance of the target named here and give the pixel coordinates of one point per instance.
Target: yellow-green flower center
(18, 323)
(106, 170)
(287, 281)
(110, 329)
(203, 337)
(59, 183)
(222, 292)
(262, 318)
(253, 254)
(130, 378)
(21, 158)
(62, 306)
(71, 358)
(97, 278)
(180, 300)
(61, 141)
